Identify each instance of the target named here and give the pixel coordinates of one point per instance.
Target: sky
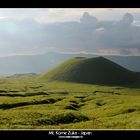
(103, 31)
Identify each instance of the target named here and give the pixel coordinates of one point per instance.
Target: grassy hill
(97, 70)
(50, 104)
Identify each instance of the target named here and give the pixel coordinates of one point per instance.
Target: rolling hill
(41, 63)
(98, 70)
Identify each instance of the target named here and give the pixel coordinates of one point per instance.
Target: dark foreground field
(26, 103)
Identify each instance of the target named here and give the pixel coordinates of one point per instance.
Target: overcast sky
(101, 31)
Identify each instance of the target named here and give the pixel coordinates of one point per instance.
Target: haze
(100, 31)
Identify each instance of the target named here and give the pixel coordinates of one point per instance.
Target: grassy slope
(91, 70)
(35, 103)
(72, 105)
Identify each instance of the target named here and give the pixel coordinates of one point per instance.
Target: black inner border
(43, 134)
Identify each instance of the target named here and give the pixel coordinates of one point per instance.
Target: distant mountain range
(22, 75)
(41, 63)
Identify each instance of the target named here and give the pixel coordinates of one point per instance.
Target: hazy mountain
(129, 62)
(42, 63)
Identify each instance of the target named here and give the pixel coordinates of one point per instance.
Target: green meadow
(65, 98)
(26, 103)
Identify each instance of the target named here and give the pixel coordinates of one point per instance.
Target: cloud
(127, 19)
(93, 35)
(88, 19)
(30, 31)
(46, 15)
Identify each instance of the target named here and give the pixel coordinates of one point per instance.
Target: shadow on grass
(14, 105)
(30, 94)
(132, 84)
(72, 106)
(63, 119)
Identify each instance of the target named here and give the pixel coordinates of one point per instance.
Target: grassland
(29, 103)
